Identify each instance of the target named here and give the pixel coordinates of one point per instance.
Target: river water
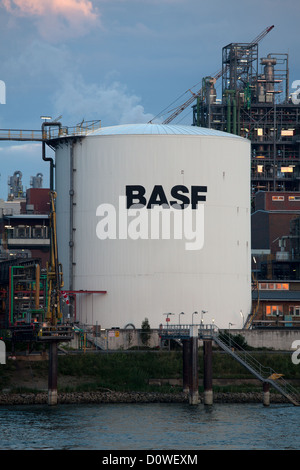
(128, 427)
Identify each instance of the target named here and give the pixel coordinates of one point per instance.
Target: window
(274, 310)
(294, 198)
(260, 168)
(295, 311)
(277, 198)
(273, 286)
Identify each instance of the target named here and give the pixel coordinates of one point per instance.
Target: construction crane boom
(215, 78)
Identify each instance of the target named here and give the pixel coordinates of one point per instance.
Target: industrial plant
(145, 221)
(256, 103)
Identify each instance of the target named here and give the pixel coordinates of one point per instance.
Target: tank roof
(159, 129)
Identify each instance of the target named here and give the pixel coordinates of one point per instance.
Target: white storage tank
(191, 254)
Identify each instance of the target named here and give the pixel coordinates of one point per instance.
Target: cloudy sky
(120, 61)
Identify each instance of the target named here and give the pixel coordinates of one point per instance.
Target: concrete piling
(266, 394)
(186, 347)
(193, 367)
(52, 373)
(207, 372)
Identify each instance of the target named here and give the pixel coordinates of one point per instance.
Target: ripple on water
(150, 426)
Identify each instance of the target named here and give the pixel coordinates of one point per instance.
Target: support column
(185, 365)
(52, 375)
(193, 370)
(207, 372)
(266, 394)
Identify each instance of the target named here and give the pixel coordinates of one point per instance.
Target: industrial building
(24, 252)
(24, 221)
(128, 253)
(256, 103)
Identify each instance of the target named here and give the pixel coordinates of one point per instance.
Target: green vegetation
(131, 371)
(146, 332)
(122, 371)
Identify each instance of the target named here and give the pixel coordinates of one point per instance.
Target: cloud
(56, 19)
(31, 148)
(111, 103)
(56, 83)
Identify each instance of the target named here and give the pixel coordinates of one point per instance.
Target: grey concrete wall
(279, 340)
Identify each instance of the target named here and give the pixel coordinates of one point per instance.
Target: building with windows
(256, 104)
(275, 235)
(276, 304)
(25, 232)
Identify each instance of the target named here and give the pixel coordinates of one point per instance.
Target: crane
(219, 74)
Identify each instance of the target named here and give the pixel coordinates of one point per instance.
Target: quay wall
(124, 339)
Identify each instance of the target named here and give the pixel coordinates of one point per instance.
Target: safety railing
(263, 373)
(50, 132)
(20, 134)
(81, 129)
(229, 345)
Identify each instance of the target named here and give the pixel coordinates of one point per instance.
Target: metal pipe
(234, 116)
(48, 159)
(37, 286)
(228, 114)
(71, 228)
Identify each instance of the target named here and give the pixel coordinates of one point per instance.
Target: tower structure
(256, 104)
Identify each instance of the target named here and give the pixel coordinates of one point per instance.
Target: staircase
(262, 373)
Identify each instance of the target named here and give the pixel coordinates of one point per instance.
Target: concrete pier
(186, 347)
(193, 367)
(266, 394)
(52, 374)
(207, 373)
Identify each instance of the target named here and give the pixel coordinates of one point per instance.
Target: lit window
(260, 168)
(274, 310)
(273, 286)
(277, 198)
(263, 285)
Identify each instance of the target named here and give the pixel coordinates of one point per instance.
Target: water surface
(150, 427)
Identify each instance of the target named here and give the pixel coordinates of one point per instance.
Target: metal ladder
(262, 373)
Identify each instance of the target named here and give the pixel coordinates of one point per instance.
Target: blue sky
(120, 61)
